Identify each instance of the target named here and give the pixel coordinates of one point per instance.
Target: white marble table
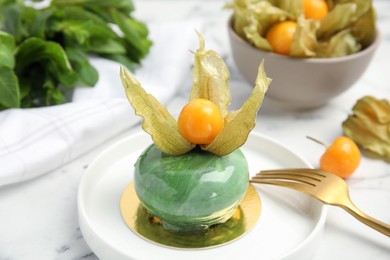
(38, 218)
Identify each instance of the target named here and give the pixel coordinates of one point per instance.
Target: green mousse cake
(191, 191)
(194, 175)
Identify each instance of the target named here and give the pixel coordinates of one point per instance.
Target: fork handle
(366, 219)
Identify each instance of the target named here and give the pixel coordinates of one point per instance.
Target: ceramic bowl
(191, 191)
(301, 83)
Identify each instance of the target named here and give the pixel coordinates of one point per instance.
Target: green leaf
(75, 31)
(13, 21)
(156, 119)
(39, 26)
(241, 122)
(40, 36)
(134, 33)
(125, 6)
(31, 83)
(81, 26)
(101, 12)
(6, 2)
(54, 95)
(24, 87)
(50, 54)
(76, 13)
(211, 77)
(17, 19)
(108, 46)
(9, 88)
(79, 60)
(81, 32)
(122, 59)
(7, 47)
(35, 50)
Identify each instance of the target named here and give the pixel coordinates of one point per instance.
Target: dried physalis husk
(211, 77)
(157, 121)
(347, 28)
(238, 124)
(369, 126)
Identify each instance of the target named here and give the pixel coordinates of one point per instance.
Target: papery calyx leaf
(253, 36)
(211, 76)
(268, 15)
(341, 16)
(294, 7)
(369, 126)
(304, 42)
(157, 121)
(238, 124)
(341, 44)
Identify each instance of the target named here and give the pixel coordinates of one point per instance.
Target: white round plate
(290, 225)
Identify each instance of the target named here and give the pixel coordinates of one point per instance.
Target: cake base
(142, 223)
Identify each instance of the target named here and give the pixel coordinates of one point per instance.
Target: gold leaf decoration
(157, 121)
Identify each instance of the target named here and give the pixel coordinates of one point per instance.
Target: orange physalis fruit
(315, 9)
(342, 157)
(281, 35)
(200, 121)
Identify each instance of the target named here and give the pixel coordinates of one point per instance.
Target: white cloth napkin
(35, 141)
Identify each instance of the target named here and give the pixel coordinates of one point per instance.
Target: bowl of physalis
(314, 49)
(194, 175)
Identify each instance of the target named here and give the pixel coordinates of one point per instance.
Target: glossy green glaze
(190, 191)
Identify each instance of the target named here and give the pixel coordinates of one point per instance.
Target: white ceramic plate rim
(104, 247)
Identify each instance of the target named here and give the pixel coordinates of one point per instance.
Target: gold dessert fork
(324, 186)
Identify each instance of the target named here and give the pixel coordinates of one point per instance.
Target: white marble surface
(38, 218)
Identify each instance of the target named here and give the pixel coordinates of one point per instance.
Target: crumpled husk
(369, 126)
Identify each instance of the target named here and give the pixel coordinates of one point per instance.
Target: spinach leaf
(44, 52)
(79, 60)
(7, 47)
(9, 89)
(50, 54)
(134, 32)
(124, 5)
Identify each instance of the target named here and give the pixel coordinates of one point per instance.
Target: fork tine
(311, 180)
(303, 171)
(299, 186)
